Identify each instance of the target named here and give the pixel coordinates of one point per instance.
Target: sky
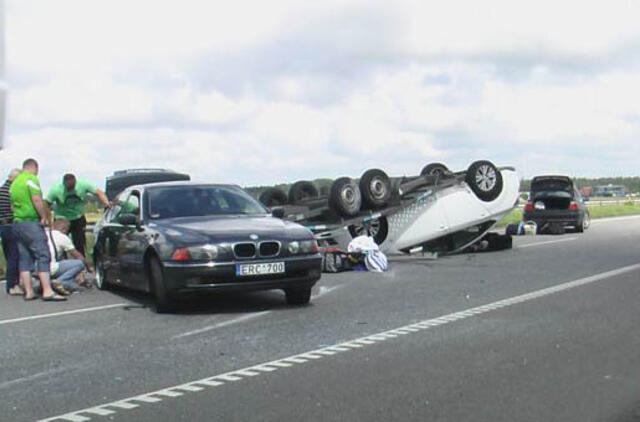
(256, 93)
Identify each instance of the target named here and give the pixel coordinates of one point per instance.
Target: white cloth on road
(374, 259)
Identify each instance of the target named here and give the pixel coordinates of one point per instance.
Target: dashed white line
(299, 359)
(550, 242)
(57, 314)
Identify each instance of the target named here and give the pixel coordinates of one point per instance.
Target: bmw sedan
(178, 237)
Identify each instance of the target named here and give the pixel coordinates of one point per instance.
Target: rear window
(552, 185)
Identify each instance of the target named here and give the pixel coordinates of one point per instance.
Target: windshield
(199, 201)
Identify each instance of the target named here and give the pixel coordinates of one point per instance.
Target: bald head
(13, 174)
(30, 165)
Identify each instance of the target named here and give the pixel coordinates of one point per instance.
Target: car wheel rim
(99, 275)
(348, 195)
(486, 178)
(371, 230)
(377, 188)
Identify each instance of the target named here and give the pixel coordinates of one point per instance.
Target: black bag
(335, 261)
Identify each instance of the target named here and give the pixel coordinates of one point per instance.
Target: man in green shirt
(69, 199)
(30, 216)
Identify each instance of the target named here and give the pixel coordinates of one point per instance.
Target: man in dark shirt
(9, 243)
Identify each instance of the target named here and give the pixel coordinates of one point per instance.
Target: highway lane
(71, 362)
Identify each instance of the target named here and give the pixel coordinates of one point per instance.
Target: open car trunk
(555, 200)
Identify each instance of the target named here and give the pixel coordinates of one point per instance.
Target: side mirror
(277, 212)
(128, 219)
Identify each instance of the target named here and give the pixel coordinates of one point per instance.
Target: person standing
(30, 216)
(69, 199)
(9, 243)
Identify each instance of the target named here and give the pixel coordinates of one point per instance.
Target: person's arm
(77, 255)
(103, 198)
(42, 209)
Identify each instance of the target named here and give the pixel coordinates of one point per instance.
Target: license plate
(259, 269)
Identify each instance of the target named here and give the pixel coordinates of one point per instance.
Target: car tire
(302, 191)
(345, 197)
(298, 296)
(379, 230)
(434, 169)
(485, 180)
(375, 188)
(584, 223)
(164, 302)
(273, 197)
(101, 280)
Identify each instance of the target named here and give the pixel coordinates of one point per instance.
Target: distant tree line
(631, 183)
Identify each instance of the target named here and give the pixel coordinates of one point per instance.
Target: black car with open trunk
(555, 200)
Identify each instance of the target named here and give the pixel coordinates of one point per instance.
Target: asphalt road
(548, 331)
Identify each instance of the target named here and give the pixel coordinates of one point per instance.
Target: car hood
(230, 229)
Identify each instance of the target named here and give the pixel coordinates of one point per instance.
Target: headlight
(294, 247)
(303, 247)
(539, 205)
(203, 253)
(309, 246)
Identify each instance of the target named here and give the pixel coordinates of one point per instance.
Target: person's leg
(25, 262)
(68, 269)
(10, 249)
(77, 229)
(35, 240)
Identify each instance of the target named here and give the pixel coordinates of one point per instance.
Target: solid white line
(57, 314)
(550, 242)
(330, 350)
(221, 324)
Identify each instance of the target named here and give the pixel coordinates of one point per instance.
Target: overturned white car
(437, 211)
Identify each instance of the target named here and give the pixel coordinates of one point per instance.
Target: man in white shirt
(65, 270)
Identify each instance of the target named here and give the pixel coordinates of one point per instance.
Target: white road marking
(57, 314)
(221, 324)
(322, 290)
(550, 242)
(299, 359)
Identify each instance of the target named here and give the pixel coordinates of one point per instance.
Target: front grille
(244, 250)
(269, 249)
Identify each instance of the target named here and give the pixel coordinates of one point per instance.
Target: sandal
(59, 288)
(33, 296)
(16, 291)
(53, 298)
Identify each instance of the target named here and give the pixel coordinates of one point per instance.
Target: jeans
(32, 246)
(68, 269)
(11, 255)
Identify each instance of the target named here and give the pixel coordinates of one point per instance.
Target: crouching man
(67, 263)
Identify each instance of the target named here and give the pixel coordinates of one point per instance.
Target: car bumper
(300, 272)
(567, 218)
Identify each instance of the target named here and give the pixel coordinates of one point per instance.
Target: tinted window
(196, 201)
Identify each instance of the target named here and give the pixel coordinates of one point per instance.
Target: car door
(132, 243)
(106, 242)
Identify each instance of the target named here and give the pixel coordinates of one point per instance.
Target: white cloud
(253, 92)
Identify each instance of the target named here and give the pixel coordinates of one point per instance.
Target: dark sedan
(179, 237)
(555, 199)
